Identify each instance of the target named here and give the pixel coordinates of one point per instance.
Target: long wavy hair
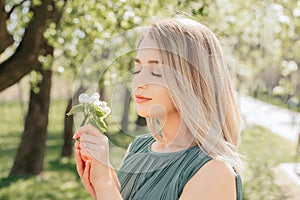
(200, 86)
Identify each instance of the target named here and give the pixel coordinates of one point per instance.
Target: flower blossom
(93, 109)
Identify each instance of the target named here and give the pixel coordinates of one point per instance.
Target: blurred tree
(29, 20)
(288, 86)
(258, 38)
(26, 21)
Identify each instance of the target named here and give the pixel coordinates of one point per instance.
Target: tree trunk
(30, 155)
(25, 58)
(69, 124)
(125, 117)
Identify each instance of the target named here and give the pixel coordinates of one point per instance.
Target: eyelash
(136, 72)
(158, 75)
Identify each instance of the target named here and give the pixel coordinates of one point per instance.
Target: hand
(93, 146)
(83, 169)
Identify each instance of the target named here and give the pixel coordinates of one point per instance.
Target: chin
(153, 113)
(142, 113)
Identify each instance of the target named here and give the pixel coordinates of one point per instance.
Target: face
(150, 93)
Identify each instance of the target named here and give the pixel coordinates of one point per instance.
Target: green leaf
(76, 109)
(96, 110)
(100, 113)
(102, 123)
(96, 123)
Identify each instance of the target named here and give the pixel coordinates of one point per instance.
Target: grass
(59, 179)
(262, 149)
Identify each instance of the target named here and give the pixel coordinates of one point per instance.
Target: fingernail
(88, 162)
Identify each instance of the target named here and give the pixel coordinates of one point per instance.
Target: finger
(89, 138)
(89, 185)
(76, 136)
(86, 173)
(80, 165)
(87, 180)
(94, 150)
(87, 129)
(97, 156)
(89, 146)
(99, 138)
(85, 153)
(77, 145)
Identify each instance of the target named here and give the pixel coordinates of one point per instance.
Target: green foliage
(37, 2)
(92, 34)
(263, 151)
(258, 37)
(34, 78)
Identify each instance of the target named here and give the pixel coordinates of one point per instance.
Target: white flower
(83, 98)
(93, 109)
(103, 104)
(107, 111)
(97, 103)
(94, 98)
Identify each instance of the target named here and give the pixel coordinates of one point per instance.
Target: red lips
(141, 99)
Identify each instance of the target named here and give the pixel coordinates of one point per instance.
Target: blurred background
(53, 50)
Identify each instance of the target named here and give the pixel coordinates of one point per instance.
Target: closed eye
(136, 72)
(154, 74)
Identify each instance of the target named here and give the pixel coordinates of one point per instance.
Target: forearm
(107, 190)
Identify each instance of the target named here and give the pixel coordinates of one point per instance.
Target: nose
(140, 80)
(141, 87)
(138, 84)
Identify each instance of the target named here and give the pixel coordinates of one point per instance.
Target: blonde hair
(200, 86)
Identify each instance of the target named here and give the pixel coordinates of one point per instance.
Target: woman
(181, 81)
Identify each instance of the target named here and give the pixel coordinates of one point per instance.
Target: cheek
(170, 106)
(134, 83)
(165, 100)
(160, 106)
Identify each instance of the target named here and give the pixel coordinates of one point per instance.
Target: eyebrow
(149, 61)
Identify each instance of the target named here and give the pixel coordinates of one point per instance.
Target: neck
(175, 132)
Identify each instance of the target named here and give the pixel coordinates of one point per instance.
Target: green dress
(148, 175)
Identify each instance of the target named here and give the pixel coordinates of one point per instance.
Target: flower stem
(84, 120)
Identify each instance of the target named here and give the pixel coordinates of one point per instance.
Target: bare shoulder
(215, 180)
